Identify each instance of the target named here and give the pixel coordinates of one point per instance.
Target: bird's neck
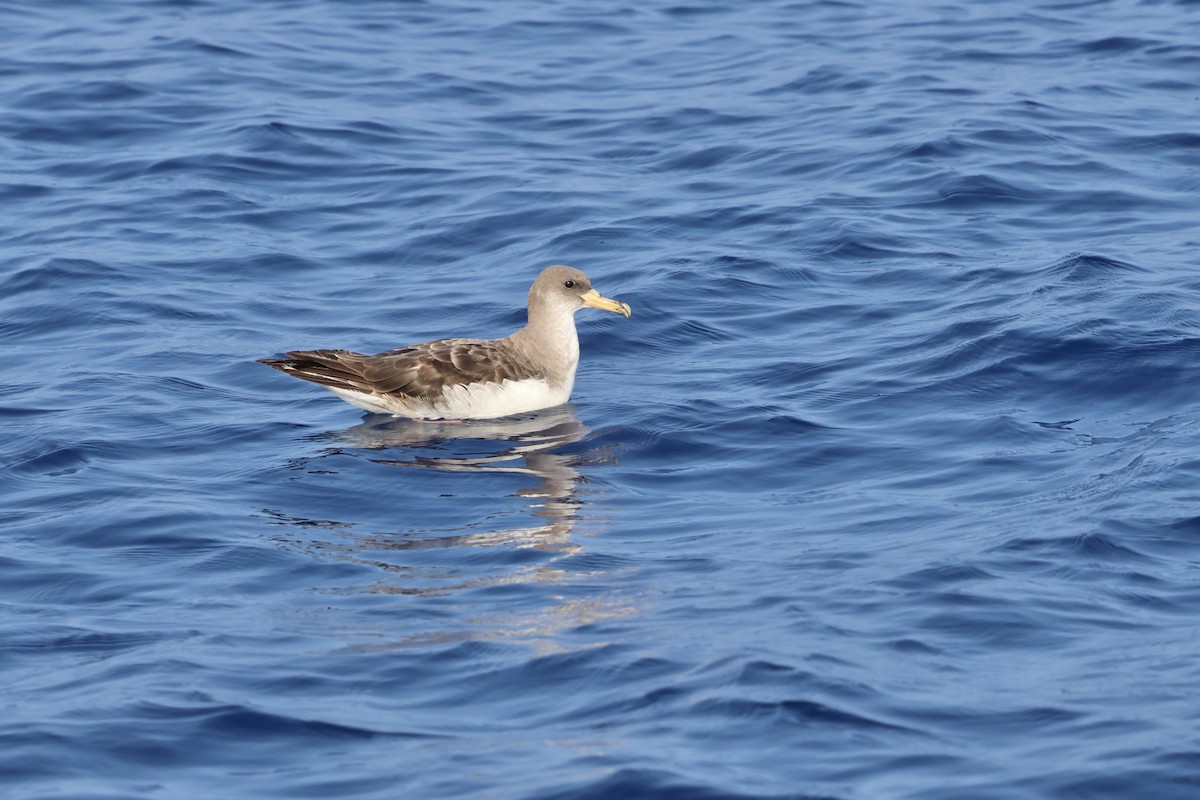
(552, 338)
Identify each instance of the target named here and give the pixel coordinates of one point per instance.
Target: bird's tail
(337, 369)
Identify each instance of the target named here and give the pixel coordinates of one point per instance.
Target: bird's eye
(569, 284)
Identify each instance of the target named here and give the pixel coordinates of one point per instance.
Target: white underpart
(467, 401)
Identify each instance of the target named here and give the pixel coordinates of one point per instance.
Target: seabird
(529, 370)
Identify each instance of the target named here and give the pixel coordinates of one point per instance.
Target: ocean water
(889, 488)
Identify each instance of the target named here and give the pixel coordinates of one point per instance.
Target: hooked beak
(596, 300)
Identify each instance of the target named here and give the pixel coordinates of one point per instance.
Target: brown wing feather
(419, 371)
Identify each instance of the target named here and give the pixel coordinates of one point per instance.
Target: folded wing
(422, 371)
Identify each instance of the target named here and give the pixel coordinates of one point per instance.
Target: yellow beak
(596, 300)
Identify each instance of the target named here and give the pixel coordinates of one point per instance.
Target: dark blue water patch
(219, 723)
(824, 79)
(64, 642)
(99, 92)
(62, 461)
(1114, 783)
(646, 784)
(1091, 268)
(1118, 44)
(55, 273)
(22, 191)
(50, 585)
(1172, 146)
(215, 728)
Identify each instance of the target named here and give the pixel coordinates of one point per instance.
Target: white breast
(467, 401)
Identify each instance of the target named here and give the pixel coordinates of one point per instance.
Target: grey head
(568, 288)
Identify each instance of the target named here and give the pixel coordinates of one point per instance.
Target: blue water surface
(889, 488)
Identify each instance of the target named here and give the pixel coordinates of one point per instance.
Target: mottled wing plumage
(421, 371)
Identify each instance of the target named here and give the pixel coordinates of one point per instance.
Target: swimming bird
(459, 379)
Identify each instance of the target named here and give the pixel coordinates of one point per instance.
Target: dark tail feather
(325, 367)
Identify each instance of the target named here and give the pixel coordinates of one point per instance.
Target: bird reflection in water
(538, 446)
(528, 449)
